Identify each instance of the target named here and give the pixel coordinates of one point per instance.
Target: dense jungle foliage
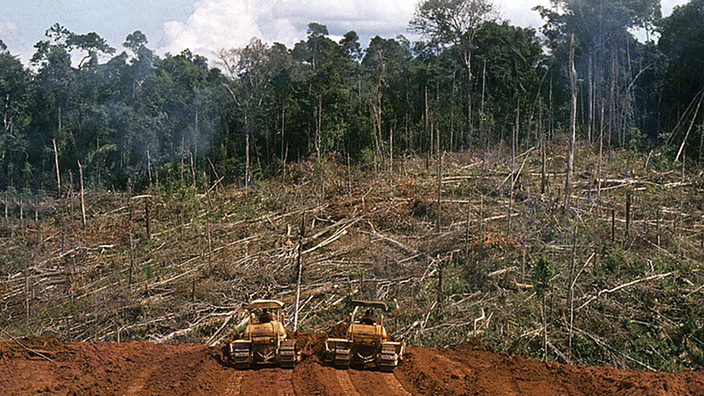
(130, 116)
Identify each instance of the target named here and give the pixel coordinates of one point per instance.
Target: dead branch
(214, 336)
(607, 346)
(696, 290)
(342, 231)
(482, 317)
(392, 241)
(206, 321)
(501, 271)
(333, 226)
(559, 353)
(475, 294)
(619, 287)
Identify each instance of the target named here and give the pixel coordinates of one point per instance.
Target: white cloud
(521, 13)
(7, 27)
(668, 5)
(216, 24)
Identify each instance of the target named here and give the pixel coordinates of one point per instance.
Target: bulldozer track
(372, 382)
(343, 378)
(284, 384)
(394, 385)
(137, 386)
(266, 381)
(234, 385)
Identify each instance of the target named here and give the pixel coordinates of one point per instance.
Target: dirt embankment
(43, 365)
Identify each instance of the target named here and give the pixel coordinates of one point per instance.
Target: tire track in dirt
(376, 383)
(267, 381)
(346, 386)
(396, 386)
(234, 384)
(137, 386)
(182, 370)
(313, 377)
(283, 382)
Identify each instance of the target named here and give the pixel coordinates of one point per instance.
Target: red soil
(43, 365)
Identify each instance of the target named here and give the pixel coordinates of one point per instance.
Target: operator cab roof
(265, 304)
(370, 304)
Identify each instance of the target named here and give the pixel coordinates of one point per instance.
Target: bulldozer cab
(266, 320)
(367, 328)
(372, 312)
(265, 311)
(368, 318)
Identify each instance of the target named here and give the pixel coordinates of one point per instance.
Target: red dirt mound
(309, 344)
(43, 365)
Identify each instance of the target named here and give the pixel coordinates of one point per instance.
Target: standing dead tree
(299, 268)
(573, 127)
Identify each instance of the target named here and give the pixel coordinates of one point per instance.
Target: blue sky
(23, 22)
(205, 26)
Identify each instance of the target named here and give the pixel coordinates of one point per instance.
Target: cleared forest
(466, 247)
(540, 194)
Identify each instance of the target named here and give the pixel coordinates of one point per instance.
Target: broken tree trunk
(543, 165)
(628, 213)
(439, 204)
(679, 152)
(514, 142)
(129, 281)
(440, 297)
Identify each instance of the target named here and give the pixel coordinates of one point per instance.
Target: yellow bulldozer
(264, 339)
(367, 345)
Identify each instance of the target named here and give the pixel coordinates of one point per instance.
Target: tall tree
(682, 41)
(384, 62)
(14, 104)
(322, 87)
(454, 22)
(513, 64)
(605, 54)
(248, 67)
(350, 45)
(573, 128)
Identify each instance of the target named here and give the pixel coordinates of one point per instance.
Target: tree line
(471, 81)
